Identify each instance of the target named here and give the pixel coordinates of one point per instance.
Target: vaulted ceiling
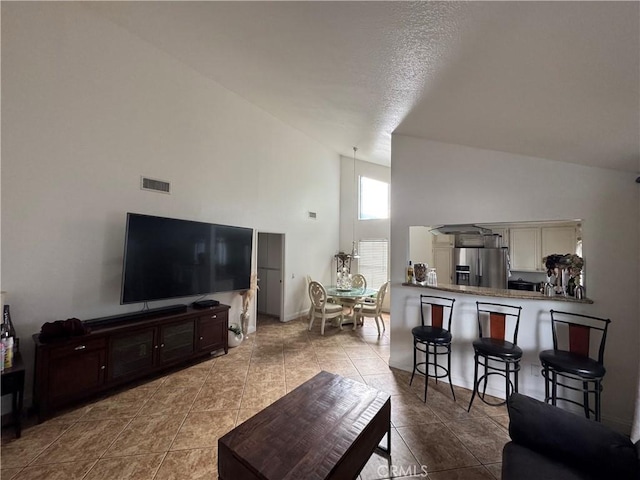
(557, 80)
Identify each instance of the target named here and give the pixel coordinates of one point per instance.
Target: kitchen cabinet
(529, 245)
(504, 235)
(560, 240)
(443, 263)
(525, 249)
(443, 240)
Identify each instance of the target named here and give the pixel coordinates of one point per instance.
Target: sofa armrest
(570, 438)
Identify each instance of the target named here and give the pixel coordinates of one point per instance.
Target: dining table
(355, 295)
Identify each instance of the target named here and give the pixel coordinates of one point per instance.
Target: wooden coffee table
(327, 428)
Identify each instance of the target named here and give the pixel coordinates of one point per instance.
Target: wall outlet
(535, 370)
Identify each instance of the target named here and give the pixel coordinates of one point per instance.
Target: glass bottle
(410, 273)
(432, 279)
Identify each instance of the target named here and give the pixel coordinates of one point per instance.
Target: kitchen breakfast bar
(499, 293)
(534, 335)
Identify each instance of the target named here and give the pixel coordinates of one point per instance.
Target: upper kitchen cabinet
(443, 240)
(525, 249)
(560, 240)
(528, 245)
(501, 230)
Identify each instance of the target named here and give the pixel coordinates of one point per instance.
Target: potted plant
(247, 296)
(235, 335)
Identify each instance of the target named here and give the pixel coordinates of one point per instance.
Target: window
(374, 199)
(374, 261)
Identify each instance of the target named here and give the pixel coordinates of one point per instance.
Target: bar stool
(575, 365)
(435, 338)
(493, 352)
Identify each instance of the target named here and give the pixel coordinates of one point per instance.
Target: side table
(13, 383)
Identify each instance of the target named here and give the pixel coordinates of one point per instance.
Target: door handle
(80, 347)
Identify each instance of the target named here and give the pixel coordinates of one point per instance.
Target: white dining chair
(358, 281)
(321, 308)
(374, 310)
(308, 282)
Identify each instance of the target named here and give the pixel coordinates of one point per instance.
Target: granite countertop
(499, 292)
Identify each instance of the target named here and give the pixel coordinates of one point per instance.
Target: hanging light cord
(354, 250)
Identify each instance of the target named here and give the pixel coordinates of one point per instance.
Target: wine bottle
(7, 326)
(410, 273)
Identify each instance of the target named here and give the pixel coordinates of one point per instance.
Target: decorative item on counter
(420, 273)
(566, 269)
(432, 278)
(548, 288)
(410, 277)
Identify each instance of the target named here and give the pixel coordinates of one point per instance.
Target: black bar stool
(493, 352)
(434, 336)
(573, 364)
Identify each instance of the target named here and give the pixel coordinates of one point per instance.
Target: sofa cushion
(521, 463)
(571, 439)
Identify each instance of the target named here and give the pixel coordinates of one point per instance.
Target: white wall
(467, 185)
(88, 109)
(350, 225)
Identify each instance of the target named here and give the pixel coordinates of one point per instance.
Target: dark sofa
(550, 443)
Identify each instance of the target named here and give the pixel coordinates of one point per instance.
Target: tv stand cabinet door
(132, 354)
(76, 370)
(212, 331)
(176, 341)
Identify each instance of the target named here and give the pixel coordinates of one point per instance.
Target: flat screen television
(169, 258)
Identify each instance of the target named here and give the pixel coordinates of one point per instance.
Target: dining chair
(321, 308)
(358, 281)
(373, 310)
(308, 282)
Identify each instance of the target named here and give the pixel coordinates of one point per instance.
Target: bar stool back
(433, 337)
(492, 350)
(577, 358)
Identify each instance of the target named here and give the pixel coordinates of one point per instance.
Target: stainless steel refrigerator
(481, 267)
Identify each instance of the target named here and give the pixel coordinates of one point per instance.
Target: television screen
(168, 258)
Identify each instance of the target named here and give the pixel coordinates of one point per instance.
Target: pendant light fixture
(354, 249)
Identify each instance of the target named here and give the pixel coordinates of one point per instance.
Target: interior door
(270, 273)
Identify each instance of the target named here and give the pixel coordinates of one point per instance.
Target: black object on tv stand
(141, 315)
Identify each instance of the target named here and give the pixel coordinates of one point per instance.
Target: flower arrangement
(572, 262)
(235, 328)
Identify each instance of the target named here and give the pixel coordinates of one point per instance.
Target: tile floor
(168, 428)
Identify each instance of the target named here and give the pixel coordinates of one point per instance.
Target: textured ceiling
(557, 80)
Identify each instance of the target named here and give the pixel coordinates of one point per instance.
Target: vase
(233, 340)
(244, 323)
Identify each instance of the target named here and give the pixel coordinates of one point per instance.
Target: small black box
(202, 304)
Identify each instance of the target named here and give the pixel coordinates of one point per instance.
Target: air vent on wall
(154, 185)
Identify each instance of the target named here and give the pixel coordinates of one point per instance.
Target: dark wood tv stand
(76, 368)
